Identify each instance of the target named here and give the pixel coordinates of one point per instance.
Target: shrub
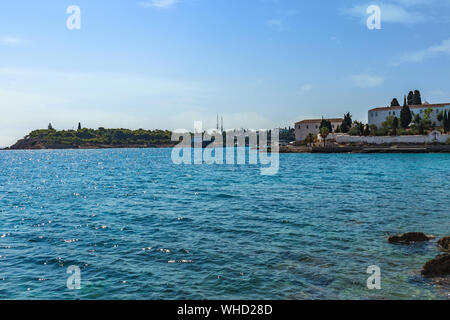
(381, 132)
(354, 131)
(448, 141)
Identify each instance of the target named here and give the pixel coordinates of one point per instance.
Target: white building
(378, 115)
(305, 127)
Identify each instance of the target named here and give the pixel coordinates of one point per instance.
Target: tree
(405, 116)
(395, 126)
(417, 119)
(394, 103)
(440, 117)
(446, 122)
(79, 126)
(50, 127)
(324, 132)
(326, 124)
(389, 122)
(417, 99)
(366, 130)
(346, 123)
(310, 138)
(410, 98)
(427, 114)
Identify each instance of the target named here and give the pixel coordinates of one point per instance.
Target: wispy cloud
(366, 80)
(163, 4)
(11, 41)
(304, 89)
(280, 21)
(275, 23)
(421, 55)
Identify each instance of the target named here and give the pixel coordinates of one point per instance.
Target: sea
(131, 224)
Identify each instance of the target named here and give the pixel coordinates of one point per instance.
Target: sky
(163, 64)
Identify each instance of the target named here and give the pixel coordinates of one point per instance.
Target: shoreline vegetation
(100, 138)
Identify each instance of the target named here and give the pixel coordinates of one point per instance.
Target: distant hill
(93, 139)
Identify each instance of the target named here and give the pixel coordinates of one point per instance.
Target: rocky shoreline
(37, 144)
(437, 267)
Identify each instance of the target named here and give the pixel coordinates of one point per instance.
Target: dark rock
(438, 267)
(410, 237)
(444, 243)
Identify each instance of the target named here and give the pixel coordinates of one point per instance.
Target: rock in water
(410, 237)
(444, 243)
(438, 267)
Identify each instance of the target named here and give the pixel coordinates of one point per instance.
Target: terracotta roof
(320, 120)
(439, 105)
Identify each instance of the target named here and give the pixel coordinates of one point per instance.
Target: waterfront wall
(434, 137)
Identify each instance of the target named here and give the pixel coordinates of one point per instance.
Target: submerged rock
(439, 266)
(444, 243)
(410, 237)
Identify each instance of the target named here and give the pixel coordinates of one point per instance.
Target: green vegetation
(405, 116)
(346, 123)
(410, 98)
(414, 98)
(326, 124)
(287, 134)
(394, 103)
(309, 140)
(446, 122)
(324, 132)
(417, 99)
(101, 136)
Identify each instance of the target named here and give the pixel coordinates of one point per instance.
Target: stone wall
(434, 137)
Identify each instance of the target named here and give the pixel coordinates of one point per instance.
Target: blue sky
(259, 63)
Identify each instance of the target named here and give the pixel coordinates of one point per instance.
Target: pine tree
(50, 127)
(410, 98)
(394, 103)
(417, 99)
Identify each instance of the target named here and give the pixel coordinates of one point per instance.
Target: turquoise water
(140, 227)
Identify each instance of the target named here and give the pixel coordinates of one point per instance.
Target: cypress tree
(326, 124)
(79, 126)
(405, 116)
(446, 122)
(346, 123)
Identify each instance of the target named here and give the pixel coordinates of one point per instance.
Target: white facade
(378, 115)
(305, 127)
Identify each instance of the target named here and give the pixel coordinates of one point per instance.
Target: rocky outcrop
(438, 267)
(410, 237)
(27, 144)
(444, 243)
